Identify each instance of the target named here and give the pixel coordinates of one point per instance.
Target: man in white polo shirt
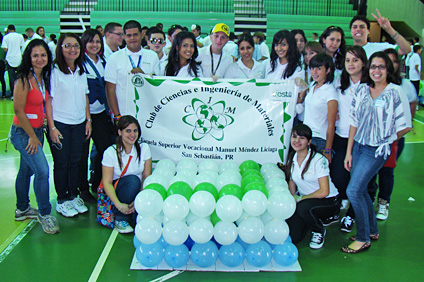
(214, 61)
(114, 35)
(12, 44)
(123, 65)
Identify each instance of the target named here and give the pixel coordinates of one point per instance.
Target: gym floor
(84, 250)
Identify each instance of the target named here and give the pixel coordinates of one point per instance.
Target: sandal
(372, 237)
(347, 249)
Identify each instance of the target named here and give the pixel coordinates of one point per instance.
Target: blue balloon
(150, 255)
(163, 242)
(242, 243)
(189, 242)
(259, 254)
(177, 256)
(285, 254)
(289, 240)
(136, 242)
(204, 255)
(232, 255)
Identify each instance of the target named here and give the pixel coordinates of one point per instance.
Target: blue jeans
(364, 166)
(127, 189)
(66, 160)
(319, 143)
(36, 165)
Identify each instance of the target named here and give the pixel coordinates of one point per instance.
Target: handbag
(105, 215)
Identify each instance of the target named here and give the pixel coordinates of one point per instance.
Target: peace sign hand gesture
(382, 21)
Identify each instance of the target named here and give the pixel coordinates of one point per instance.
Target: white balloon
(243, 216)
(266, 217)
(148, 231)
(278, 190)
(166, 164)
(276, 181)
(254, 203)
(212, 173)
(201, 178)
(201, 230)
(208, 165)
(276, 231)
(156, 178)
(225, 233)
(175, 232)
(228, 177)
(158, 218)
(175, 207)
(187, 164)
(202, 203)
(281, 205)
(181, 177)
(251, 230)
(268, 166)
(148, 203)
(273, 173)
(190, 218)
(229, 208)
(228, 165)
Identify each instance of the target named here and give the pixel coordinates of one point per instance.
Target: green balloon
(206, 186)
(256, 186)
(251, 171)
(249, 164)
(214, 218)
(157, 187)
(180, 188)
(251, 179)
(231, 189)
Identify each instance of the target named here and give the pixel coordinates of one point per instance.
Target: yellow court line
(102, 259)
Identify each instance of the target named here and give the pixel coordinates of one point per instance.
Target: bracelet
(300, 97)
(117, 117)
(90, 120)
(326, 151)
(53, 128)
(396, 35)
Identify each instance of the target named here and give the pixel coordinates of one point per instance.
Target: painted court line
(18, 235)
(168, 276)
(102, 259)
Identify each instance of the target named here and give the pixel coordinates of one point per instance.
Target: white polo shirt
(136, 166)
(184, 72)
(414, 61)
(239, 70)
(119, 66)
(372, 47)
(318, 168)
(316, 109)
(277, 74)
(162, 64)
(345, 102)
(13, 42)
(68, 92)
(219, 66)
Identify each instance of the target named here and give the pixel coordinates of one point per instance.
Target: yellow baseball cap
(221, 27)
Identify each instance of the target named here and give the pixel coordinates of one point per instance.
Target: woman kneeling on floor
(308, 174)
(133, 156)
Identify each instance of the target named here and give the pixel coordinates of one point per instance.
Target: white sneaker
(345, 204)
(123, 227)
(78, 204)
(66, 209)
(317, 240)
(383, 210)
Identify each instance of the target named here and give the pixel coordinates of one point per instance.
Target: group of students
(348, 118)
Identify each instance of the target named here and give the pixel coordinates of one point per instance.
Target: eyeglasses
(119, 34)
(157, 40)
(70, 46)
(380, 67)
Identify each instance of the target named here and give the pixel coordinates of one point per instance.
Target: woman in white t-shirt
(308, 175)
(127, 152)
(333, 41)
(246, 67)
(182, 57)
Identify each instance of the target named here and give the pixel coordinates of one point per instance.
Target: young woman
(102, 132)
(246, 67)
(182, 57)
(137, 155)
(377, 119)
(299, 36)
(321, 104)
(334, 44)
(311, 49)
(69, 122)
(308, 175)
(27, 134)
(52, 45)
(285, 58)
(353, 73)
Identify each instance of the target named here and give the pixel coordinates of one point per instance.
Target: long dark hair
(323, 59)
(340, 53)
(358, 52)
(304, 131)
(389, 66)
(25, 67)
(60, 59)
(293, 55)
(123, 123)
(173, 66)
(88, 36)
(396, 73)
(302, 33)
(246, 37)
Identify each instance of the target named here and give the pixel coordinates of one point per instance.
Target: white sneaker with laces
(345, 204)
(123, 227)
(78, 204)
(383, 210)
(317, 240)
(66, 209)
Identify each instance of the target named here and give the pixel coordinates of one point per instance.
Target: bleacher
(334, 8)
(22, 20)
(32, 5)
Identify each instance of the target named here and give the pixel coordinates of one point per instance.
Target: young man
(156, 42)
(360, 29)
(259, 39)
(12, 44)
(196, 30)
(31, 34)
(122, 65)
(172, 32)
(415, 68)
(214, 61)
(113, 38)
(100, 29)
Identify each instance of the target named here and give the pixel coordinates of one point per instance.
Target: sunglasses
(157, 40)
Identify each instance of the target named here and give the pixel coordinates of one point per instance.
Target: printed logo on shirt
(137, 80)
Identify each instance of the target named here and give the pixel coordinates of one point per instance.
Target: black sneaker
(347, 224)
(317, 240)
(330, 220)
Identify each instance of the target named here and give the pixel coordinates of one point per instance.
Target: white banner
(225, 120)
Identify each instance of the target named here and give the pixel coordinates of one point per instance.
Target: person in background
(42, 33)
(156, 42)
(12, 44)
(172, 32)
(27, 134)
(127, 152)
(113, 38)
(315, 37)
(415, 68)
(144, 30)
(31, 34)
(334, 44)
(231, 47)
(299, 36)
(100, 29)
(52, 45)
(259, 39)
(2, 69)
(311, 49)
(196, 30)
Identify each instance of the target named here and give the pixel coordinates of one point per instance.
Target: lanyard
(42, 88)
(132, 62)
(219, 61)
(87, 59)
